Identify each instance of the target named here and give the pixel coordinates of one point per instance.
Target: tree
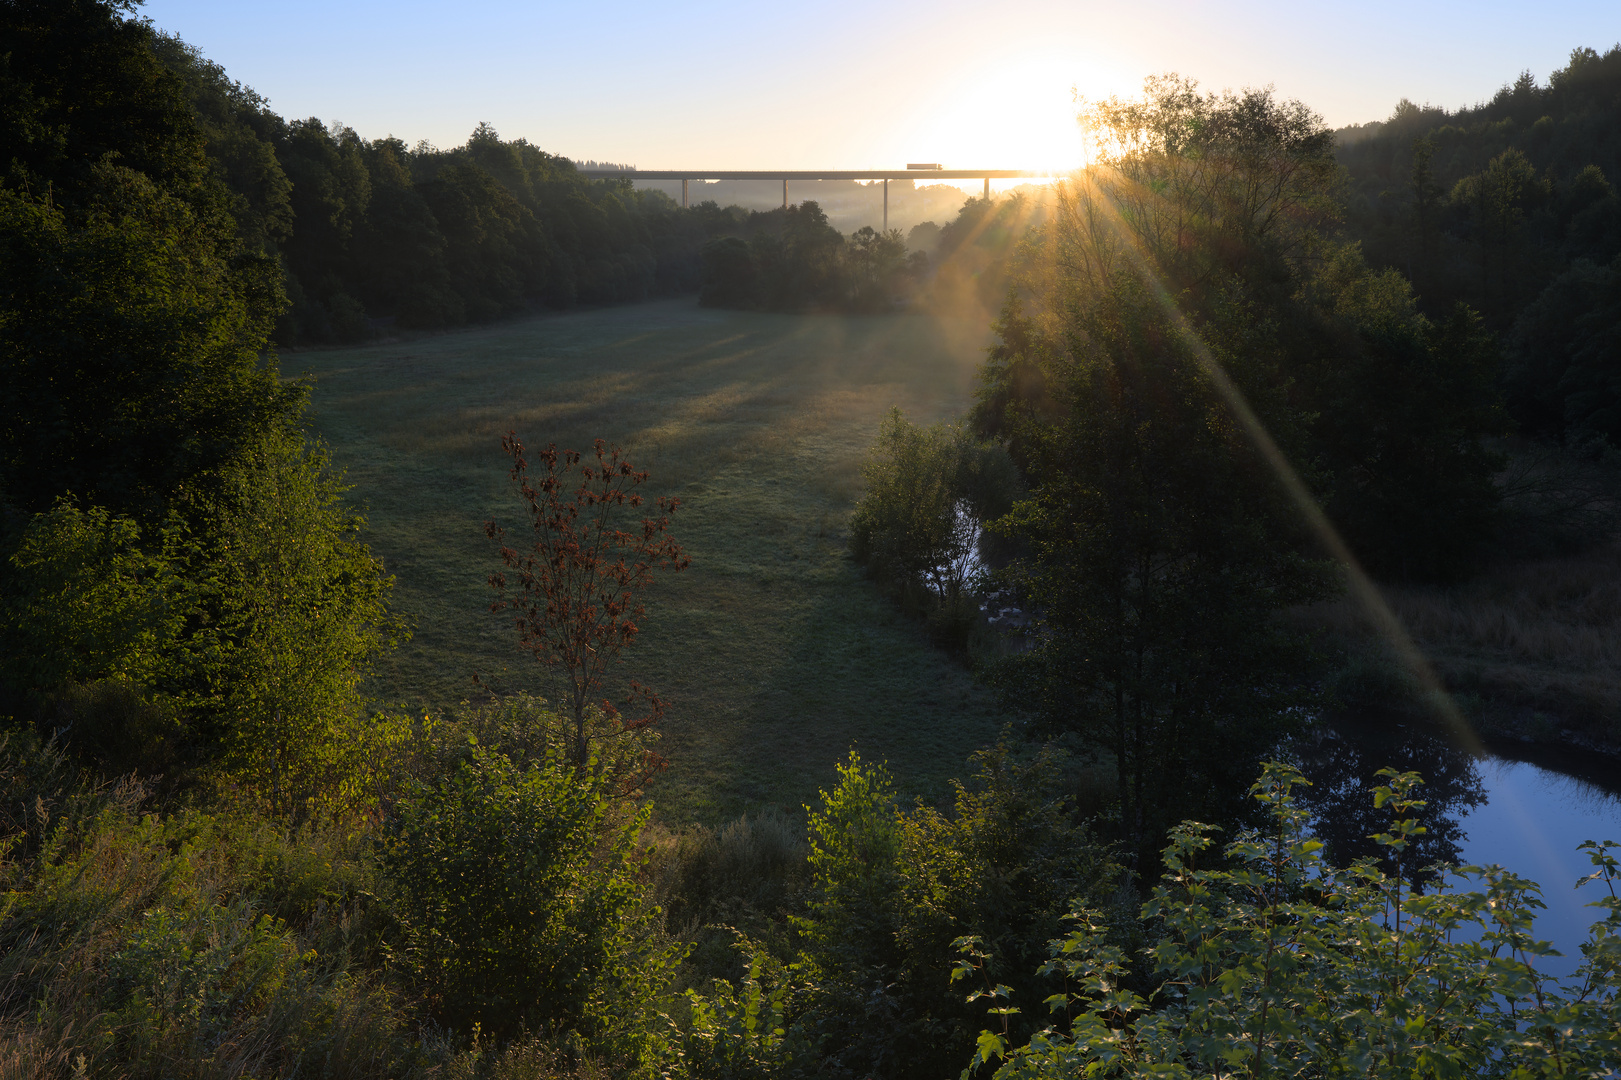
(131, 319)
(1208, 186)
(730, 278)
(1142, 384)
(909, 525)
(928, 490)
(1161, 547)
(1566, 379)
(892, 888)
(167, 523)
(296, 612)
(578, 586)
(82, 86)
(1402, 403)
(1427, 199)
(129, 350)
(1496, 199)
(876, 268)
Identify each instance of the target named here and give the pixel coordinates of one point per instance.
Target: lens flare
(1361, 586)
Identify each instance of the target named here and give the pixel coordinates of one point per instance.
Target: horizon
(705, 85)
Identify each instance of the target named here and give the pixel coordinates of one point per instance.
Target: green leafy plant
(519, 892)
(1276, 964)
(928, 489)
(743, 1032)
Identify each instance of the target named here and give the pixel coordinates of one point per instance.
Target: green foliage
(909, 525)
(730, 278)
(83, 86)
(149, 945)
(746, 874)
(385, 234)
(131, 320)
(241, 645)
(1402, 402)
(84, 601)
(792, 259)
(1277, 964)
(296, 610)
(1162, 545)
(891, 890)
(1566, 378)
(855, 846)
(129, 349)
(743, 1032)
(927, 490)
(877, 267)
(518, 885)
(1492, 205)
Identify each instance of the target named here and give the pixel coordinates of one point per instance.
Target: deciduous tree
(575, 593)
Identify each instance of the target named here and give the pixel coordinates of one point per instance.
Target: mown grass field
(776, 654)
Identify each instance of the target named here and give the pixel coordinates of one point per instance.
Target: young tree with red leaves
(575, 593)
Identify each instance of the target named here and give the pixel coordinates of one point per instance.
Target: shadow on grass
(776, 654)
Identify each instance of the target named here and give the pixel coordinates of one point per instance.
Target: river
(1522, 807)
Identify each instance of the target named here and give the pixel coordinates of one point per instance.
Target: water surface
(1523, 808)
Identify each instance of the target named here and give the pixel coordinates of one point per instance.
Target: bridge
(911, 172)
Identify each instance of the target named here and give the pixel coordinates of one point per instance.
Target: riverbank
(1529, 649)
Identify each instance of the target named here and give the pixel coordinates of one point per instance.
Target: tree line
(1510, 206)
(792, 259)
(373, 232)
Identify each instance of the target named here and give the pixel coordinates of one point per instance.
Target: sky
(849, 85)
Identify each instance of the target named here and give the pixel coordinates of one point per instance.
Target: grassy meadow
(776, 655)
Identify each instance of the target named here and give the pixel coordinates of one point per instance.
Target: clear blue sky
(847, 84)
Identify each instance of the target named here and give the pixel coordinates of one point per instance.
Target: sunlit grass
(775, 653)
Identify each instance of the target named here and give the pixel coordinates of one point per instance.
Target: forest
(1256, 391)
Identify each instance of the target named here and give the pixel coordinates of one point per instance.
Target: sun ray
(1361, 586)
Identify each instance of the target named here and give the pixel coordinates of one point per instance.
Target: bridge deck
(810, 174)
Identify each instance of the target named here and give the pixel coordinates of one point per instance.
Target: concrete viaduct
(911, 172)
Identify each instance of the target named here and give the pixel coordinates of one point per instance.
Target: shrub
(1278, 964)
(189, 945)
(753, 866)
(927, 491)
(519, 894)
(891, 890)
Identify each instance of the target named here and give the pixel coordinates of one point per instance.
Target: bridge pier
(886, 204)
(683, 194)
(987, 189)
(785, 193)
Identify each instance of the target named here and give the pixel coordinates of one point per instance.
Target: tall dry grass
(188, 945)
(1534, 642)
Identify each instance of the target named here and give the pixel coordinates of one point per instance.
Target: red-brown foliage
(575, 593)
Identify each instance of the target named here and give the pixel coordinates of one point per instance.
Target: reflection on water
(1341, 765)
(1531, 822)
(1526, 815)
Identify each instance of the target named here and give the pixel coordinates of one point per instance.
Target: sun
(1011, 112)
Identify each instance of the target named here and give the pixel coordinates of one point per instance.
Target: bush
(1277, 964)
(753, 867)
(891, 890)
(927, 491)
(183, 946)
(236, 647)
(519, 894)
